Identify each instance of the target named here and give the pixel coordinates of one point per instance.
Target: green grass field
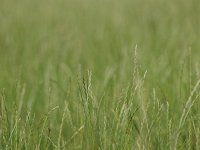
(100, 74)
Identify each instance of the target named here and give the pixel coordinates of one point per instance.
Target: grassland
(99, 74)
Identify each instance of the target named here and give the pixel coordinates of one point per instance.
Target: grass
(85, 74)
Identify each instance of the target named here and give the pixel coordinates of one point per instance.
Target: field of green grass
(100, 74)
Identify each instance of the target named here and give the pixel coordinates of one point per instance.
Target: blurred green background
(36, 36)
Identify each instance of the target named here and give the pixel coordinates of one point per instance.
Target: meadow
(100, 74)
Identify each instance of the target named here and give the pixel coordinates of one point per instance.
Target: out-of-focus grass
(126, 100)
